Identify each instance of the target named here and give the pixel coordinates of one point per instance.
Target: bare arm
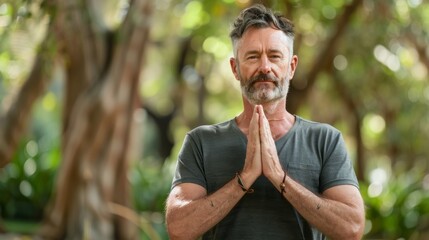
(338, 213)
(190, 212)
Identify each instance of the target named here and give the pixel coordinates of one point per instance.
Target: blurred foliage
(379, 64)
(397, 206)
(26, 184)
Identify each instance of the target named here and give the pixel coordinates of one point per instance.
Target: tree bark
(100, 99)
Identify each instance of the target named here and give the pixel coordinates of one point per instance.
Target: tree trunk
(100, 98)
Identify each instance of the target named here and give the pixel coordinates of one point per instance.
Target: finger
(254, 127)
(253, 152)
(262, 118)
(264, 128)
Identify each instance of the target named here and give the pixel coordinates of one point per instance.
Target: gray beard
(264, 94)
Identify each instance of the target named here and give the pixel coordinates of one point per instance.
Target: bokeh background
(363, 68)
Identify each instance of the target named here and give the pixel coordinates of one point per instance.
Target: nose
(265, 65)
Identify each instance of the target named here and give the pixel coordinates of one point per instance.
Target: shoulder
(316, 132)
(310, 127)
(215, 137)
(213, 130)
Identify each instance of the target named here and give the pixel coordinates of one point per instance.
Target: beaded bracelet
(283, 185)
(240, 182)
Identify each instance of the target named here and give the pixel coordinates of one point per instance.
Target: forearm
(191, 219)
(335, 219)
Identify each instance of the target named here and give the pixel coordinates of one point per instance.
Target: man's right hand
(253, 165)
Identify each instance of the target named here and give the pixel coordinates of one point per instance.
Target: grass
(21, 227)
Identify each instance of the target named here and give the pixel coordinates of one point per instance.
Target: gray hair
(258, 16)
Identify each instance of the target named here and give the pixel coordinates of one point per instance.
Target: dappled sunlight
(372, 129)
(368, 79)
(378, 178)
(220, 48)
(384, 56)
(194, 15)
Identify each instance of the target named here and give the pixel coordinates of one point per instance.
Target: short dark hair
(259, 16)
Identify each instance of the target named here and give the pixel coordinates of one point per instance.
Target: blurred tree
(102, 68)
(363, 67)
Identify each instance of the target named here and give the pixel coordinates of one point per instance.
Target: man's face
(264, 65)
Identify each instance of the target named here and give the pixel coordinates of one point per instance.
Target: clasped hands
(261, 153)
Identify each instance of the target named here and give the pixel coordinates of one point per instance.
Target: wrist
(248, 176)
(276, 177)
(282, 185)
(245, 188)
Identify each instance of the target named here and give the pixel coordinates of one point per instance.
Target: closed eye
(252, 57)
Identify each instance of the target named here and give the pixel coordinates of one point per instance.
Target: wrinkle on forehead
(256, 39)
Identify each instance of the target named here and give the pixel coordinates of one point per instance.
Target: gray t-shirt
(313, 154)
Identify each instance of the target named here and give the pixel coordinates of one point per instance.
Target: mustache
(263, 77)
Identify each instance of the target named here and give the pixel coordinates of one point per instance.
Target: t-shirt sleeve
(337, 168)
(190, 167)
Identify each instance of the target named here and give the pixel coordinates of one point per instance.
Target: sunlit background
(374, 89)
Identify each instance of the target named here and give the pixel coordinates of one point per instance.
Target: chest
(223, 160)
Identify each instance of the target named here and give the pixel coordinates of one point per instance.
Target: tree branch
(420, 48)
(324, 59)
(14, 123)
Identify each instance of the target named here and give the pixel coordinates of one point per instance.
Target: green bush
(399, 208)
(26, 182)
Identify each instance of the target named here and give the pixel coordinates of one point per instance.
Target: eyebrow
(251, 52)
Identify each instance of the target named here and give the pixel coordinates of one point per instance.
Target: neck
(280, 120)
(273, 110)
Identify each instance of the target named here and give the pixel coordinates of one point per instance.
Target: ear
(234, 67)
(292, 66)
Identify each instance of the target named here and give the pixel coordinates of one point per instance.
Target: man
(266, 174)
